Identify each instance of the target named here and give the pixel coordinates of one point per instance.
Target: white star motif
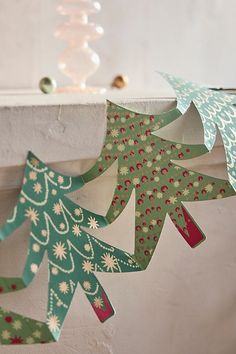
(57, 208)
(53, 323)
(59, 250)
(98, 302)
(63, 287)
(185, 192)
(76, 230)
(92, 222)
(109, 262)
(33, 175)
(17, 324)
(32, 214)
(37, 188)
(87, 267)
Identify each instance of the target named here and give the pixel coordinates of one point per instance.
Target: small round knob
(47, 85)
(120, 81)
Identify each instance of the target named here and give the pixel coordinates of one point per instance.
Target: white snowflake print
(76, 230)
(98, 302)
(131, 142)
(114, 133)
(63, 287)
(109, 146)
(59, 250)
(54, 192)
(34, 162)
(34, 268)
(62, 226)
(177, 168)
(60, 179)
(87, 285)
(143, 137)
(116, 212)
(44, 233)
(87, 267)
(172, 199)
(148, 149)
(5, 334)
(159, 195)
(36, 247)
(51, 174)
(109, 262)
(136, 181)
(37, 188)
(87, 247)
(124, 170)
(185, 192)
(29, 340)
(17, 325)
(32, 214)
(78, 211)
(53, 323)
(209, 188)
(33, 175)
(121, 147)
(37, 333)
(57, 208)
(40, 324)
(54, 271)
(92, 222)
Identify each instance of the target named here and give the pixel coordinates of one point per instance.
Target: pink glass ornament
(78, 61)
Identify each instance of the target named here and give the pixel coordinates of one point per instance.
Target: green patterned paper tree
(73, 254)
(216, 109)
(145, 164)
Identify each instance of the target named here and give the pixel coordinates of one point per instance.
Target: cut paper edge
(195, 236)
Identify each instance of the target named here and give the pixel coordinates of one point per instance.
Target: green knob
(47, 85)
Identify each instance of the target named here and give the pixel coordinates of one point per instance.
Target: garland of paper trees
(145, 164)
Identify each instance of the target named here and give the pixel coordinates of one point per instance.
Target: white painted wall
(195, 39)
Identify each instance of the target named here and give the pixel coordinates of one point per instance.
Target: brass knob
(120, 81)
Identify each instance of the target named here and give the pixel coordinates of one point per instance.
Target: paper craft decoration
(73, 254)
(145, 163)
(216, 110)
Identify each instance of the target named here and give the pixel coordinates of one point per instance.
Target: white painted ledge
(69, 130)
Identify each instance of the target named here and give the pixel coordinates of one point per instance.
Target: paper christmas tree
(216, 109)
(73, 254)
(145, 163)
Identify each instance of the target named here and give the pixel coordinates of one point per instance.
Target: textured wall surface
(194, 39)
